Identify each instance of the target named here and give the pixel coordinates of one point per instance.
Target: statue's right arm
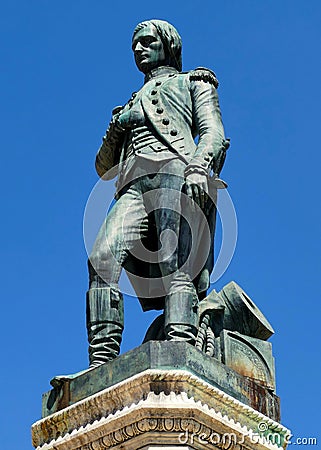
(108, 154)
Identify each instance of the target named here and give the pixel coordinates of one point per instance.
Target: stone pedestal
(161, 395)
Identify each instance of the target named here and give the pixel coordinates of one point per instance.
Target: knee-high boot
(181, 316)
(105, 324)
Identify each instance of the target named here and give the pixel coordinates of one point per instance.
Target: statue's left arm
(207, 122)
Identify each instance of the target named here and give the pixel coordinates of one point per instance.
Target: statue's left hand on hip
(197, 188)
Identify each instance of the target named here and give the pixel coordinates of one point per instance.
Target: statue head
(156, 43)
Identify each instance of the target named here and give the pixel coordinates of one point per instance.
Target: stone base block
(159, 409)
(164, 355)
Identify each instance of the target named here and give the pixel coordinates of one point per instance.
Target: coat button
(155, 101)
(207, 158)
(158, 83)
(174, 132)
(159, 110)
(165, 121)
(153, 92)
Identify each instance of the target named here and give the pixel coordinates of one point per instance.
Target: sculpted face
(148, 49)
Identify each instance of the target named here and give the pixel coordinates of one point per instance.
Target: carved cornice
(155, 401)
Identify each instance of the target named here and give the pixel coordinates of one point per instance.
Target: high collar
(158, 72)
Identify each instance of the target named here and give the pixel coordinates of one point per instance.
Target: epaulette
(204, 74)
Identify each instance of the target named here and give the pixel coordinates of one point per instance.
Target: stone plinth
(163, 355)
(160, 406)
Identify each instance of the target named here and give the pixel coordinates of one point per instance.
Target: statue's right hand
(117, 110)
(124, 119)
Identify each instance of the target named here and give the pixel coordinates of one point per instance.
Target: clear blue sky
(65, 65)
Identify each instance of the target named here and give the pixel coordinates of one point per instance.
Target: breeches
(148, 233)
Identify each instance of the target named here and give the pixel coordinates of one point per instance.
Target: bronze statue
(161, 231)
(161, 228)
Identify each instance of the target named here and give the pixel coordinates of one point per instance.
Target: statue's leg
(181, 299)
(181, 319)
(105, 323)
(105, 309)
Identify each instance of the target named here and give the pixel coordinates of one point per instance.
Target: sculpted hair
(171, 40)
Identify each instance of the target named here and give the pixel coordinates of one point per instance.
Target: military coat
(179, 108)
(183, 112)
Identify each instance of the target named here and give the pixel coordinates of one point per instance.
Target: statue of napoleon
(161, 227)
